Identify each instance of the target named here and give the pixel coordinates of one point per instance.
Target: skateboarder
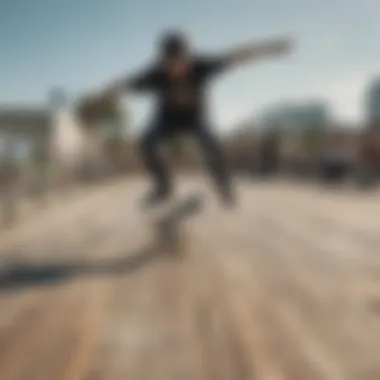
(178, 79)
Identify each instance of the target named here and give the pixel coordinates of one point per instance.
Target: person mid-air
(178, 78)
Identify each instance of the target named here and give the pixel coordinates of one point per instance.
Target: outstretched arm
(115, 89)
(123, 85)
(95, 104)
(259, 50)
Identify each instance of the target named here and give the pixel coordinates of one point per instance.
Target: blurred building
(241, 148)
(51, 125)
(372, 102)
(22, 126)
(296, 116)
(41, 134)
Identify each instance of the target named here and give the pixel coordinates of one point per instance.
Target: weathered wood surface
(286, 287)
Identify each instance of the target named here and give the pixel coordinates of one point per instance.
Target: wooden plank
(285, 287)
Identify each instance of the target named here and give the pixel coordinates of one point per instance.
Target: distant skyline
(81, 44)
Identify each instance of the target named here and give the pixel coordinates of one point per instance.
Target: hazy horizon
(80, 45)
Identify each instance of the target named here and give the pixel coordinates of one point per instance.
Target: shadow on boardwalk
(21, 275)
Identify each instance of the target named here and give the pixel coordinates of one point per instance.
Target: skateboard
(167, 222)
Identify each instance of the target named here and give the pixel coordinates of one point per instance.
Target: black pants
(160, 132)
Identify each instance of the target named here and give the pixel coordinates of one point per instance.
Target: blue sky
(81, 44)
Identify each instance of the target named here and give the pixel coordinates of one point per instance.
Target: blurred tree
(109, 123)
(93, 111)
(116, 125)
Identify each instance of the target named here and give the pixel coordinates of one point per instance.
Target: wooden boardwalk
(286, 287)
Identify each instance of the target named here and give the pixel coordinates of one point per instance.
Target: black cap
(173, 44)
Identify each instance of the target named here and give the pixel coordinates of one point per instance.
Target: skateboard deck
(168, 222)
